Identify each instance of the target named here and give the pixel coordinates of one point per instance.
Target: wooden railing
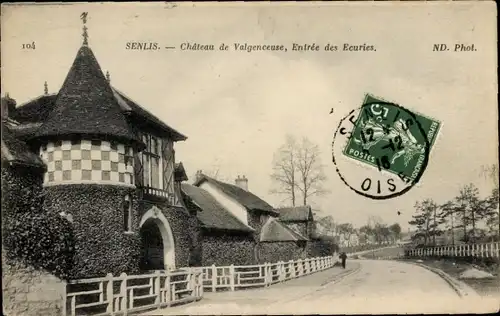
(489, 250)
(132, 293)
(239, 277)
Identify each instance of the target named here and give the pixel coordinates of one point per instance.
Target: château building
(109, 167)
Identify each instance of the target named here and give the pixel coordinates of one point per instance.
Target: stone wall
(31, 292)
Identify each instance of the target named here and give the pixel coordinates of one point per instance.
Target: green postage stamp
(390, 137)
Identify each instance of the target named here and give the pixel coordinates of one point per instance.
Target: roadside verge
(462, 289)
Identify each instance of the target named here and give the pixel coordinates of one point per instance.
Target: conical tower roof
(85, 104)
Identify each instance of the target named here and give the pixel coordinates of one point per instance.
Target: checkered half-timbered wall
(88, 161)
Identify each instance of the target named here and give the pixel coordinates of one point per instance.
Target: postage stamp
(389, 139)
(386, 136)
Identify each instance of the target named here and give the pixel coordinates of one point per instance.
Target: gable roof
(274, 230)
(16, 151)
(85, 104)
(38, 110)
(245, 198)
(132, 107)
(212, 215)
(295, 214)
(180, 172)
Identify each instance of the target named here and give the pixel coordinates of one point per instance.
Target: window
(127, 214)
(151, 162)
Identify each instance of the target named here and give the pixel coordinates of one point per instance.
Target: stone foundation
(31, 292)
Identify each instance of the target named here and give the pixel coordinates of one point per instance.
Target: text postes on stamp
(389, 141)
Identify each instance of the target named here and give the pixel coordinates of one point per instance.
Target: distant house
(223, 238)
(244, 205)
(274, 240)
(299, 218)
(278, 241)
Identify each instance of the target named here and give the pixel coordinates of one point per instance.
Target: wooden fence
(132, 293)
(489, 250)
(240, 277)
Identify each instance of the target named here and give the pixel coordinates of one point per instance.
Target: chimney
(8, 106)
(242, 182)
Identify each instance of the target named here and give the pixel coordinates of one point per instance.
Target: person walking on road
(343, 257)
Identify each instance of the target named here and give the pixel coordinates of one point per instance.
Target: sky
(237, 107)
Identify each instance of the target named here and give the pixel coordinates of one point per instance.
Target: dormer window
(127, 214)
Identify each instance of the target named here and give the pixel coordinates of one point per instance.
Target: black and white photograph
(250, 158)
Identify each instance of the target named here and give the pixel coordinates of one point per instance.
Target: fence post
(214, 278)
(291, 264)
(269, 275)
(168, 287)
(109, 294)
(123, 293)
(200, 284)
(157, 288)
(232, 275)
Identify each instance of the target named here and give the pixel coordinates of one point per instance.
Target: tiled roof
(245, 198)
(212, 215)
(38, 109)
(16, 151)
(128, 105)
(86, 104)
(274, 230)
(295, 214)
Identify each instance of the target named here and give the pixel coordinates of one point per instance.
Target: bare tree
(297, 168)
(346, 230)
(310, 169)
(284, 169)
(328, 224)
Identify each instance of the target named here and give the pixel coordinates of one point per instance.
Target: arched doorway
(157, 241)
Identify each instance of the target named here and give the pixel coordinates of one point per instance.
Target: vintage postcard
(250, 158)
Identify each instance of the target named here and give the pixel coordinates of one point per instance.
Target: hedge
(322, 247)
(30, 235)
(43, 241)
(226, 248)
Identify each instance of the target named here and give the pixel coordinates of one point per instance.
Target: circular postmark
(381, 149)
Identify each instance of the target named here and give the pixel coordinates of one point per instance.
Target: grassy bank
(483, 286)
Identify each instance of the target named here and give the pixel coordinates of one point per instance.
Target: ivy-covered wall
(183, 226)
(30, 235)
(101, 244)
(21, 190)
(281, 251)
(225, 248)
